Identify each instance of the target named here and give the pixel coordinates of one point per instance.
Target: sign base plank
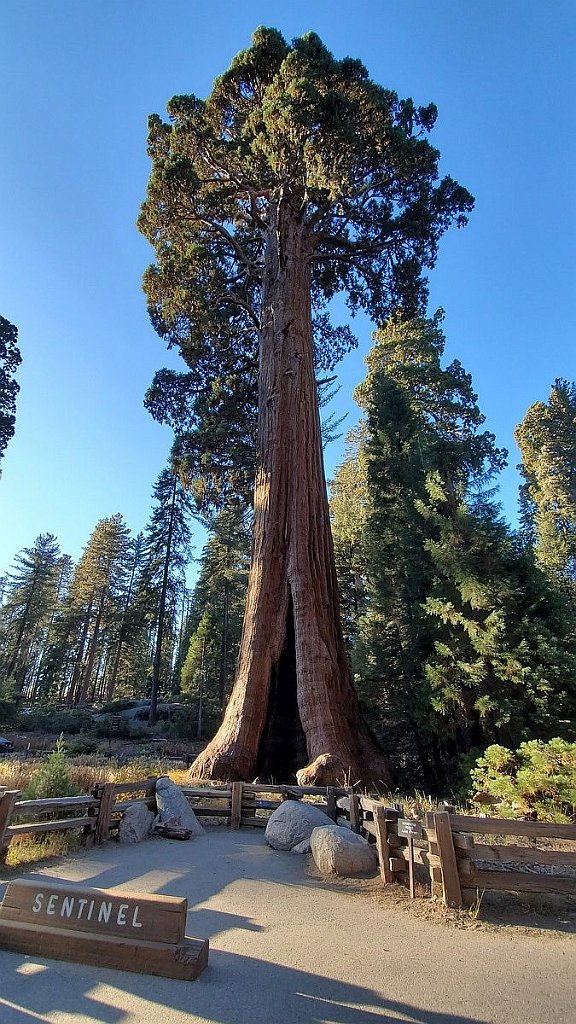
(184, 960)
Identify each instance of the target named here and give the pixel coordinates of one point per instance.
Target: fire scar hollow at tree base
(103, 927)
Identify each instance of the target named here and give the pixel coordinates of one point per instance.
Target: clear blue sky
(78, 79)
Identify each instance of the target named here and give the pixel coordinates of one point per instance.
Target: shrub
(53, 777)
(539, 778)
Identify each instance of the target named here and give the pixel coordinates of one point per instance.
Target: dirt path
(287, 947)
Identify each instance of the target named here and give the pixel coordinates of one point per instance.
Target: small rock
(293, 822)
(174, 807)
(135, 823)
(338, 851)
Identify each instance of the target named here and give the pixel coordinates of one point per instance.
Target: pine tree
(547, 441)
(92, 607)
(296, 179)
(10, 360)
(32, 593)
(215, 618)
(167, 545)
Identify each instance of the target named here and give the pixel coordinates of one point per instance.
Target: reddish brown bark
(293, 709)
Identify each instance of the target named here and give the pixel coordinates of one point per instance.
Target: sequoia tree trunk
(293, 710)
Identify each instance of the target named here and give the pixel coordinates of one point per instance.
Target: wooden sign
(106, 927)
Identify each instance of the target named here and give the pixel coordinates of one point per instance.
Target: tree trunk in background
(293, 710)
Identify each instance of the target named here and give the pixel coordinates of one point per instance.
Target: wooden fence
(463, 865)
(449, 849)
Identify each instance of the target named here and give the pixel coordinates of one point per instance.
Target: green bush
(82, 745)
(539, 778)
(53, 778)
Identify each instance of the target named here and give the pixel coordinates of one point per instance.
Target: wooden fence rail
(460, 863)
(449, 849)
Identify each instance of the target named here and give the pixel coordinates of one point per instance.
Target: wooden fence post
(382, 822)
(355, 819)
(7, 801)
(331, 809)
(450, 878)
(107, 794)
(236, 806)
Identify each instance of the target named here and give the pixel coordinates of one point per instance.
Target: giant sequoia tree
(297, 178)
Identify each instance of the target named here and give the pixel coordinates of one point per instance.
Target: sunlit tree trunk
(293, 710)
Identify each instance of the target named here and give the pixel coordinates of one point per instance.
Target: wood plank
(236, 808)
(141, 786)
(382, 824)
(355, 812)
(53, 804)
(297, 792)
(103, 819)
(212, 812)
(450, 878)
(511, 827)
(211, 792)
(102, 911)
(258, 822)
(57, 825)
(522, 855)
(7, 801)
(184, 960)
(523, 881)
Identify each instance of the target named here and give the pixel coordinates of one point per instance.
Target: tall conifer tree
(297, 178)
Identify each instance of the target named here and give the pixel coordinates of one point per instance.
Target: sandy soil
(288, 946)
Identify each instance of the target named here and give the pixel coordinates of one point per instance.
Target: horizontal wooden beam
(57, 825)
(511, 827)
(522, 881)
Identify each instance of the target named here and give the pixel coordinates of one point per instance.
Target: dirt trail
(287, 947)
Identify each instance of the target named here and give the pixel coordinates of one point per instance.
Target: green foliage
(8, 703)
(53, 778)
(547, 441)
(537, 778)
(286, 124)
(10, 360)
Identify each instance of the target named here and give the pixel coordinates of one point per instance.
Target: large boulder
(338, 851)
(292, 823)
(135, 823)
(174, 807)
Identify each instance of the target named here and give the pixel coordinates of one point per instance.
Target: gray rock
(174, 807)
(135, 823)
(293, 822)
(338, 851)
(303, 847)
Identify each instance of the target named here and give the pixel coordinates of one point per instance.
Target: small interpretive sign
(409, 829)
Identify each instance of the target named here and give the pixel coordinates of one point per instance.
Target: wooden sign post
(411, 830)
(104, 927)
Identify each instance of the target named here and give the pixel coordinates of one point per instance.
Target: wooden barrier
(460, 863)
(12, 809)
(130, 931)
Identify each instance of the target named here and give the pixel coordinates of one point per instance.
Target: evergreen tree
(503, 666)
(215, 618)
(10, 360)
(32, 594)
(167, 546)
(296, 179)
(92, 606)
(422, 419)
(547, 442)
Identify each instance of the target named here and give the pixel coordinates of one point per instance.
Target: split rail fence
(450, 853)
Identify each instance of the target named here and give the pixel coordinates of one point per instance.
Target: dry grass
(26, 850)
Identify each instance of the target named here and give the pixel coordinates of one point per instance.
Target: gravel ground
(287, 946)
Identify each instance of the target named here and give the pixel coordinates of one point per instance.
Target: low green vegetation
(538, 779)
